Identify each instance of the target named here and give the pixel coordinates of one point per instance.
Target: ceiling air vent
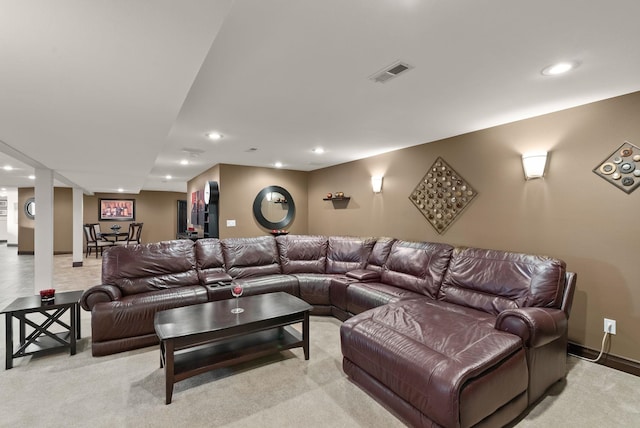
(390, 72)
(194, 153)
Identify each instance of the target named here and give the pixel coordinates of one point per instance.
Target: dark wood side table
(42, 339)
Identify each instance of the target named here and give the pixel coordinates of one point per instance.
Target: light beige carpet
(127, 389)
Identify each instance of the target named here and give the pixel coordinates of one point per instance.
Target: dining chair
(135, 231)
(93, 242)
(98, 233)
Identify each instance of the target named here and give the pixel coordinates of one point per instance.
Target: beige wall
(62, 221)
(26, 225)
(572, 213)
(239, 186)
(157, 210)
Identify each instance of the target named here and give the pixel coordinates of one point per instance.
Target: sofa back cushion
(493, 281)
(210, 261)
(347, 253)
(417, 266)
(302, 253)
(150, 267)
(247, 257)
(379, 254)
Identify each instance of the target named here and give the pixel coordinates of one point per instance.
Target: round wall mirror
(30, 208)
(274, 208)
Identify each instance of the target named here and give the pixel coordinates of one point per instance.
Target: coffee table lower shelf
(195, 360)
(180, 364)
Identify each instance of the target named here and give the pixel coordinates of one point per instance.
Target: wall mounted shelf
(339, 203)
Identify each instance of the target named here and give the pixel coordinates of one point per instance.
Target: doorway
(182, 216)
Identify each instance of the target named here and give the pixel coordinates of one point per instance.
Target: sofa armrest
(535, 326)
(216, 277)
(99, 293)
(363, 275)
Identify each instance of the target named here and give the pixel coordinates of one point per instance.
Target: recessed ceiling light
(214, 136)
(278, 164)
(32, 177)
(8, 167)
(184, 162)
(318, 150)
(559, 68)
(168, 177)
(120, 190)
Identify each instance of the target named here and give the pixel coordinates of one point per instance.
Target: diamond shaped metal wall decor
(622, 168)
(442, 195)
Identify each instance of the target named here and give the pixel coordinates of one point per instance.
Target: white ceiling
(114, 93)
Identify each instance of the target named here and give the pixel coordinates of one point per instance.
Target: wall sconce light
(376, 183)
(534, 165)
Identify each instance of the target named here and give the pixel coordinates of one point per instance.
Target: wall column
(43, 232)
(12, 217)
(78, 209)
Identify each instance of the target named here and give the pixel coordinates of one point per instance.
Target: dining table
(114, 235)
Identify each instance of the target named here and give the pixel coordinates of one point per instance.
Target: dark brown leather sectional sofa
(442, 336)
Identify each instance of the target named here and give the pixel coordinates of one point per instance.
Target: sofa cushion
(248, 257)
(347, 253)
(454, 368)
(379, 253)
(338, 291)
(363, 296)
(302, 253)
(210, 261)
(150, 267)
(314, 288)
(417, 266)
(256, 285)
(493, 281)
(133, 315)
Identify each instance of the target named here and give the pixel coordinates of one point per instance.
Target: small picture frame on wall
(117, 210)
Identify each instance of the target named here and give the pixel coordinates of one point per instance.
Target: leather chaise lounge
(441, 336)
(487, 342)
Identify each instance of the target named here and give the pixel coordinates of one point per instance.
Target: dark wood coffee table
(198, 338)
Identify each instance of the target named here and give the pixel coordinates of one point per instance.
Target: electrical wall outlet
(231, 223)
(609, 326)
